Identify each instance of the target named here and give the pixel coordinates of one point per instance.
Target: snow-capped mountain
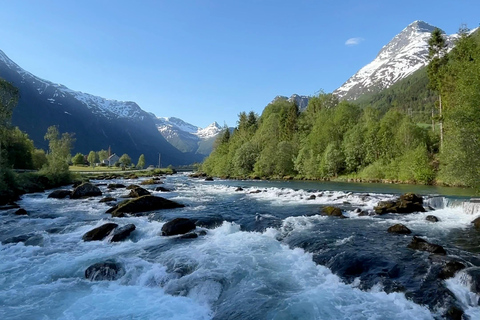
(187, 137)
(98, 123)
(403, 55)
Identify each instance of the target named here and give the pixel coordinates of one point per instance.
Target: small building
(111, 160)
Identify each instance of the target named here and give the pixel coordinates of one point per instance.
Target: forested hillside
(383, 136)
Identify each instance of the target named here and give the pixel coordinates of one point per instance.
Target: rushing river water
(266, 255)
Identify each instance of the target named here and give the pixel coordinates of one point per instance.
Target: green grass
(95, 169)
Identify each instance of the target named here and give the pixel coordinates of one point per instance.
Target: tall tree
(102, 155)
(59, 152)
(141, 162)
(93, 158)
(125, 160)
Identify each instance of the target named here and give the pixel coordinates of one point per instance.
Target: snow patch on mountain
(403, 55)
(56, 93)
(171, 127)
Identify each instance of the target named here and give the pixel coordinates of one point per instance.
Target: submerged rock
(431, 218)
(454, 313)
(399, 229)
(144, 204)
(104, 271)
(60, 194)
(85, 190)
(312, 197)
(239, 189)
(107, 199)
(256, 191)
(406, 203)
(162, 189)
(178, 226)
(191, 235)
(99, 233)
(115, 186)
(450, 268)
(120, 234)
(21, 212)
(420, 244)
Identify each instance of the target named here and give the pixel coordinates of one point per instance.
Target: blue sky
(205, 61)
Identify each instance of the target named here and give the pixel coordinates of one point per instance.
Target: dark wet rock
(99, 233)
(77, 183)
(120, 234)
(36, 240)
(60, 194)
(399, 229)
(332, 211)
(17, 239)
(178, 226)
(162, 189)
(256, 191)
(312, 197)
(473, 279)
(104, 271)
(364, 213)
(420, 244)
(406, 203)
(202, 233)
(138, 192)
(150, 181)
(239, 189)
(85, 190)
(454, 313)
(132, 186)
(116, 186)
(209, 222)
(113, 208)
(144, 204)
(107, 199)
(100, 184)
(431, 218)
(21, 212)
(450, 268)
(208, 179)
(190, 235)
(198, 175)
(476, 223)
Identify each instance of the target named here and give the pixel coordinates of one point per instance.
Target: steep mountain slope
(187, 137)
(97, 122)
(403, 55)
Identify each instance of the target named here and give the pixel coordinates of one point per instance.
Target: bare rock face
(144, 204)
(99, 233)
(107, 270)
(85, 190)
(178, 226)
(399, 229)
(420, 244)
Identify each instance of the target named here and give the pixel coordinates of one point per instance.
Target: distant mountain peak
(403, 55)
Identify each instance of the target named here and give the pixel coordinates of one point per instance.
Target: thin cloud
(353, 41)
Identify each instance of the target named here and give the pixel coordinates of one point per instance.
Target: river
(265, 255)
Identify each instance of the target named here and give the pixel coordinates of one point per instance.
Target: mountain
(98, 123)
(301, 101)
(187, 137)
(403, 55)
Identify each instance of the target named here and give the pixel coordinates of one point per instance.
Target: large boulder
(476, 223)
(120, 234)
(420, 244)
(450, 268)
(399, 229)
(138, 192)
(108, 270)
(60, 194)
(332, 211)
(99, 233)
(144, 204)
(21, 212)
(85, 190)
(406, 203)
(178, 226)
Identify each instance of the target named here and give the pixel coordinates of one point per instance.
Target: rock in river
(431, 218)
(420, 244)
(138, 192)
(178, 226)
(104, 271)
(120, 234)
(60, 194)
(144, 204)
(99, 233)
(85, 190)
(399, 228)
(406, 203)
(333, 211)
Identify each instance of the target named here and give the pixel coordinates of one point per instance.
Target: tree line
(99, 157)
(333, 138)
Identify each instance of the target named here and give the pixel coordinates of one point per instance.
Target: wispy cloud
(353, 41)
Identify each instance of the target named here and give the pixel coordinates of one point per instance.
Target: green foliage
(19, 149)
(141, 162)
(125, 160)
(58, 155)
(102, 155)
(39, 159)
(93, 158)
(78, 159)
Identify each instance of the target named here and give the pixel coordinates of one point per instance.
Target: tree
(141, 162)
(125, 160)
(19, 149)
(78, 159)
(102, 155)
(93, 158)
(39, 159)
(59, 154)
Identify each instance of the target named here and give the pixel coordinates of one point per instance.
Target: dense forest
(421, 130)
